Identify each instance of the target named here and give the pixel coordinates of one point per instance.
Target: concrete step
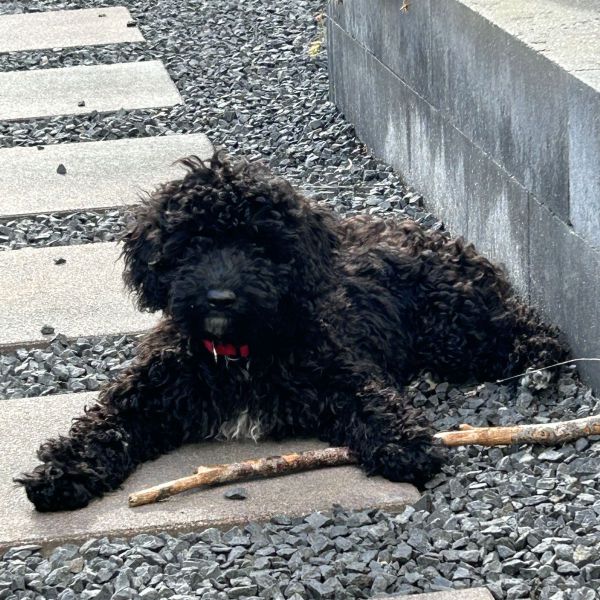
(27, 423)
(82, 297)
(105, 88)
(99, 174)
(66, 28)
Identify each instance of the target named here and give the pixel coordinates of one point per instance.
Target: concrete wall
(492, 111)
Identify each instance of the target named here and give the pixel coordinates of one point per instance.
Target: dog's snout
(220, 298)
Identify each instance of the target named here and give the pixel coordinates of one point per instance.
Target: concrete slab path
(474, 594)
(105, 88)
(98, 174)
(25, 423)
(82, 297)
(67, 28)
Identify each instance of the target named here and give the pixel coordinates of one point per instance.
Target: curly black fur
(336, 315)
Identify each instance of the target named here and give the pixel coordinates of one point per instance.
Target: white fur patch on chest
(242, 427)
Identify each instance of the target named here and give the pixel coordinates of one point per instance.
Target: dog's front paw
(414, 461)
(49, 488)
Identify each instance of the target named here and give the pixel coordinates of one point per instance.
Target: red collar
(226, 349)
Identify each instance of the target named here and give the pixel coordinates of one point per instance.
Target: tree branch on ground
(259, 467)
(546, 434)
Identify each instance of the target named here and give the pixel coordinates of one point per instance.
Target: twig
(559, 364)
(260, 467)
(547, 434)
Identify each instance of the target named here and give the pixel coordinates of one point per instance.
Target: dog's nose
(220, 298)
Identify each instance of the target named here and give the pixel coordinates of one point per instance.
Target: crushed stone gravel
(61, 229)
(523, 521)
(64, 365)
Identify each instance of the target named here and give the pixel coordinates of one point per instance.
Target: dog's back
(464, 317)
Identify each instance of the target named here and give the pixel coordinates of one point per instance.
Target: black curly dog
(281, 320)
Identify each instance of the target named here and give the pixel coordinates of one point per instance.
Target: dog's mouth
(227, 350)
(217, 343)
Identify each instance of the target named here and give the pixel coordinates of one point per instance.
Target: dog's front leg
(139, 417)
(95, 457)
(389, 436)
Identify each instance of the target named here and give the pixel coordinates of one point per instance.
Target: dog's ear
(315, 245)
(159, 233)
(307, 231)
(286, 217)
(142, 243)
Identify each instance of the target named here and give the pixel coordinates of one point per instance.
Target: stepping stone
(26, 423)
(67, 28)
(104, 88)
(82, 297)
(98, 174)
(474, 594)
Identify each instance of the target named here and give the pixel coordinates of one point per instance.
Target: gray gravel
(63, 366)
(61, 229)
(522, 521)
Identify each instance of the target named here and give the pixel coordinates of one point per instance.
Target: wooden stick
(547, 434)
(259, 467)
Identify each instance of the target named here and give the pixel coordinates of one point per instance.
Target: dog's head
(229, 252)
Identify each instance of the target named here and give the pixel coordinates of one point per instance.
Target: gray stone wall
(488, 111)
